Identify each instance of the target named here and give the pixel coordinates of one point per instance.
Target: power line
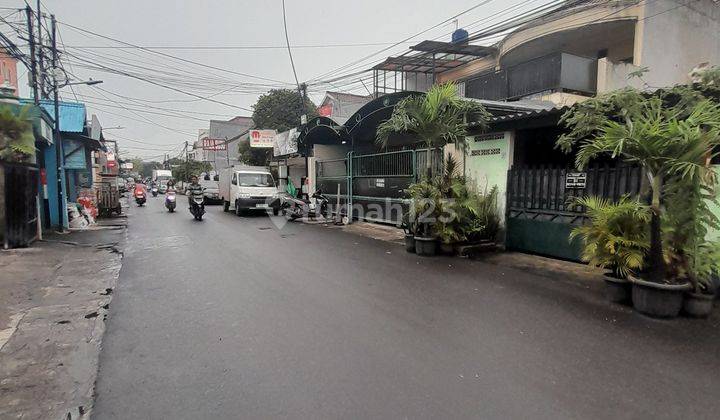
(235, 47)
(292, 63)
(204, 65)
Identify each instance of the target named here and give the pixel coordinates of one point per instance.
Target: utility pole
(187, 163)
(41, 53)
(33, 63)
(59, 158)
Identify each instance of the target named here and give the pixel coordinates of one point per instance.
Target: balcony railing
(559, 72)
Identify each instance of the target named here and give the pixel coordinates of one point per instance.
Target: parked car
(248, 188)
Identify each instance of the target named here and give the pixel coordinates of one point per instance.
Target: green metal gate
(374, 185)
(539, 217)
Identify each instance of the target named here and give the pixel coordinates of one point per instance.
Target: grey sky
(230, 23)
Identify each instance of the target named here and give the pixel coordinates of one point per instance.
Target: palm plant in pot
(616, 239)
(688, 253)
(705, 265)
(437, 118)
(409, 227)
(670, 136)
(424, 207)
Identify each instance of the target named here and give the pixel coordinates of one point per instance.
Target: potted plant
(705, 265)
(425, 198)
(615, 238)
(670, 135)
(409, 226)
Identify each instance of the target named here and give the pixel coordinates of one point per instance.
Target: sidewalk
(54, 298)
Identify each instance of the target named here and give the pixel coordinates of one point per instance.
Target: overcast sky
(165, 23)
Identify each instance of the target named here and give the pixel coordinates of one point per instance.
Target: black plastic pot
(617, 290)
(409, 242)
(425, 246)
(657, 299)
(698, 305)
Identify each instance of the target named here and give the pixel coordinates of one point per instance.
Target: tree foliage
(184, 170)
(672, 134)
(280, 109)
(17, 142)
(253, 156)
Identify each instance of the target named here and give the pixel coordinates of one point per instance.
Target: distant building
(223, 137)
(340, 106)
(8, 71)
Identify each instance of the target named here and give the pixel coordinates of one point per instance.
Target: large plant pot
(657, 299)
(698, 305)
(409, 242)
(617, 290)
(425, 246)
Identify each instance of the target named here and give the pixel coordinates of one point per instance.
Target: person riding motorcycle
(194, 189)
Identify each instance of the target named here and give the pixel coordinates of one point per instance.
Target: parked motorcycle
(154, 191)
(197, 207)
(322, 206)
(140, 198)
(170, 201)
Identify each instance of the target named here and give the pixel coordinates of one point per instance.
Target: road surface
(233, 318)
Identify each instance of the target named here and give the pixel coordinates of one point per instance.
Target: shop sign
(262, 138)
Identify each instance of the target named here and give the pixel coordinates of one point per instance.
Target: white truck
(248, 188)
(159, 175)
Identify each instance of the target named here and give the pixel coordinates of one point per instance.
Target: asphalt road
(234, 318)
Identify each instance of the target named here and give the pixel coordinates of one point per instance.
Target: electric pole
(59, 161)
(187, 163)
(41, 53)
(33, 63)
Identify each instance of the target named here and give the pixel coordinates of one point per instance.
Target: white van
(248, 188)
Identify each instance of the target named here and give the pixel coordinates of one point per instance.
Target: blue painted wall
(51, 173)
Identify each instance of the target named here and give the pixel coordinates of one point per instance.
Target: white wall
(673, 39)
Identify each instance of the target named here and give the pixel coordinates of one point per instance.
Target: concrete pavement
(233, 318)
(53, 303)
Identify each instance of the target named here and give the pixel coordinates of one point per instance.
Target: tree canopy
(17, 142)
(280, 109)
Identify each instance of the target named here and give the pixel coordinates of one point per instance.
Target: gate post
(349, 200)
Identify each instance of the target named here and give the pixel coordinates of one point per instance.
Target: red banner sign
(213, 144)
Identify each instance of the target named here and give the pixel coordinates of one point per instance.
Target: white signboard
(262, 138)
(286, 143)
(126, 165)
(575, 180)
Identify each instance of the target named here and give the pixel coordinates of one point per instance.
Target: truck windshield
(255, 180)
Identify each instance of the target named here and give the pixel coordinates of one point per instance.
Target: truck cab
(248, 188)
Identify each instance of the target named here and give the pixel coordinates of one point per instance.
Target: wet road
(234, 318)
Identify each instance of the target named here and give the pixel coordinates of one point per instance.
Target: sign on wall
(575, 179)
(213, 144)
(262, 138)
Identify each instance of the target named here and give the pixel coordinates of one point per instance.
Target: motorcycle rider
(194, 189)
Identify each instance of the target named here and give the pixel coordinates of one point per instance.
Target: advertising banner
(286, 143)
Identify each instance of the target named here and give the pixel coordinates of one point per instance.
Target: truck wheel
(226, 206)
(238, 211)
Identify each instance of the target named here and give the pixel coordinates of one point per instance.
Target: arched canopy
(362, 125)
(321, 130)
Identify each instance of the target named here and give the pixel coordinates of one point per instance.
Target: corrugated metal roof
(530, 113)
(72, 114)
